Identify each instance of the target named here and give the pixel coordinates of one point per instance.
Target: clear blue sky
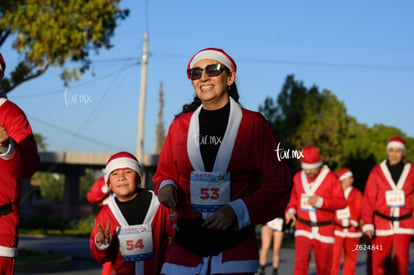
(362, 51)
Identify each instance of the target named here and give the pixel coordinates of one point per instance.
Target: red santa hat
(344, 173)
(396, 142)
(2, 67)
(122, 160)
(311, 158)
(212, 53)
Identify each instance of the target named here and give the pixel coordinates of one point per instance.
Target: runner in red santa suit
(315, 197)
(132, 230)
(387, 210)
(18, 160)
(218, 169)
(347, 226)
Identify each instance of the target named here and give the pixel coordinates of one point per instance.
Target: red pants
(383, 259)
(346, 247)
(107, 268)
(7, 265)
(368, 241)
(323, 256)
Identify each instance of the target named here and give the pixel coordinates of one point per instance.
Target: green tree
(52, 32)
(325, 126)
(304, 116)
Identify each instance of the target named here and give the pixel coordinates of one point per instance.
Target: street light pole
(141, 112)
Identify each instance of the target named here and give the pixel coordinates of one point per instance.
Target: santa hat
(121, 160)
(344, 173)
(396, 142)
(212, 53)
(311, 158)
(2, 67)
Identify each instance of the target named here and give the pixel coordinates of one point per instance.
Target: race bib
(135, 242)
(304, 203)
(209, 191)
(275, 224)
(395, 198)
(343, 214)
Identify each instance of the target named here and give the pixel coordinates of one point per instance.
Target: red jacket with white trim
(21, 163)
(327, 186)
(379, 182)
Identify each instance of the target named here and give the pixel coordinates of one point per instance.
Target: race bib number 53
(209, 191)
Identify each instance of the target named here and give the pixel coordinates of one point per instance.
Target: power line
(56, 127)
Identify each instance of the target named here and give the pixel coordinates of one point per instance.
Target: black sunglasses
(211, 71)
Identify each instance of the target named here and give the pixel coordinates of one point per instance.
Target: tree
(301, 116)
(325, 126)
(52, 32)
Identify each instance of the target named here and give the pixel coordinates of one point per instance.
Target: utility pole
(141, 112)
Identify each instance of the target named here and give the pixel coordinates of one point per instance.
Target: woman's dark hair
(190, 107)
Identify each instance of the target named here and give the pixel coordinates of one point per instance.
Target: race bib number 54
(135, 242)
(209, 191)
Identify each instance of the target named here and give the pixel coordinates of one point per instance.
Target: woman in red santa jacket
(387, 210)
(315, 197)
(347, 228)
(132, 231)
(18, 160)
(218, 169)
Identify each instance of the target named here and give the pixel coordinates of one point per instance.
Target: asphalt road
(82, 263)
(76, 249)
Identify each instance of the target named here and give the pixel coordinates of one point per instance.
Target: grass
(26, 255)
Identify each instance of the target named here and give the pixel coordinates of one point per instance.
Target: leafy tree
(324, 126)
(52, 32)
(289, 110)
(301, 116)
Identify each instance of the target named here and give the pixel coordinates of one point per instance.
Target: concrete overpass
(73, 165)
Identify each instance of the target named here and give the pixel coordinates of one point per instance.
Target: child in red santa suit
(347, 229)
(315, 197)
(133, 229)
(387, 210)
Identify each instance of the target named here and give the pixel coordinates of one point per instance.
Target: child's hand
(103, 237)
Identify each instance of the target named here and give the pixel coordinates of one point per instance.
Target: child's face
(123, 182)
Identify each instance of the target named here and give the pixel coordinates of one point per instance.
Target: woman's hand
(369, 233)
(167, 195)
(222, 219)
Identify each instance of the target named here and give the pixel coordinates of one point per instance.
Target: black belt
(393, 219)
(6, 209)
(206, 242)
(313, 224)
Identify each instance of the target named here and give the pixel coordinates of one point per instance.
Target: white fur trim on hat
(120, 163)
(346, 175)
(311, 165)
(396, 144)
(212, 54)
